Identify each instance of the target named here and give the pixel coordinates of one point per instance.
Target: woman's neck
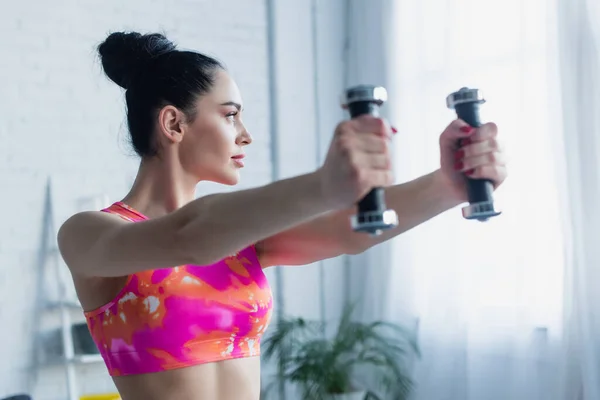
(160, 188)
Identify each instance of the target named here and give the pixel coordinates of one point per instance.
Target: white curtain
(506, 309)
(489, 295)
(579, 27)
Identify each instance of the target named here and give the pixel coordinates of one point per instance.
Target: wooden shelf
(87, 359)
(57, 305)
(79, 359)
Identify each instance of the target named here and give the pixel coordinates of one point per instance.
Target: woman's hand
(357, 161)
(471, 152)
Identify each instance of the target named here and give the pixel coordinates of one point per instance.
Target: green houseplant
(326, 368)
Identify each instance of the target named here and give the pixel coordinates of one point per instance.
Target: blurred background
(507, 309)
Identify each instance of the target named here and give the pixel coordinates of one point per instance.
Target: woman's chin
(231, 179)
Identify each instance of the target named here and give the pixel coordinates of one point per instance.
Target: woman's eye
(231, 116)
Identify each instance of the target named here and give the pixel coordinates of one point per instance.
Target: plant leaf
(321, 366)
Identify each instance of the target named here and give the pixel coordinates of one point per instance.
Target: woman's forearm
(331, 235)
(415, 202)
(221, 224)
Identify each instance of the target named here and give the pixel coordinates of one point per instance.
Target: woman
(193, 331)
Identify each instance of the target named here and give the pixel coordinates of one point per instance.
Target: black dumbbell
(466, 103)
(373, 217)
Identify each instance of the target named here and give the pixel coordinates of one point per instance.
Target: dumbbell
(372, 217)
(466, 103)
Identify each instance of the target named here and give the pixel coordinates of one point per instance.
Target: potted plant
(326, 368)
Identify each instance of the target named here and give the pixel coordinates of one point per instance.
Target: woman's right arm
(202, 232)
(97, 244)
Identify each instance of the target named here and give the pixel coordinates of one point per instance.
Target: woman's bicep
(104, 245)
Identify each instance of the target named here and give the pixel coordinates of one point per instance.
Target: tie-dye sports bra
(182, 316)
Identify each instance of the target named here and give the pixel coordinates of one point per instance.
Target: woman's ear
(171, 123)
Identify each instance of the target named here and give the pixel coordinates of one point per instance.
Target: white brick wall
(61, 118)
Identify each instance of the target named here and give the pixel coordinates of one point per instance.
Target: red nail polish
(470, 172)
(458, 165)
(465, 142)
(459, 155)
(394, 130)
(466, 129)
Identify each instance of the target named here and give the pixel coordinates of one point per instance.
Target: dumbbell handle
(374, 201)
(478, 190)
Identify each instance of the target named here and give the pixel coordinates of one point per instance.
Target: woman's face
(212, 146)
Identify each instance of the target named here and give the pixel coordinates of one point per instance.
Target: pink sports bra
(182, 316)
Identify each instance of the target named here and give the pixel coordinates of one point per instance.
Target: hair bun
(125, 54)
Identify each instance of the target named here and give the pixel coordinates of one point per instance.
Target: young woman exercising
(173, 287)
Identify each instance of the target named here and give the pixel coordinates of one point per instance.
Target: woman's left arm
(464, 151)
